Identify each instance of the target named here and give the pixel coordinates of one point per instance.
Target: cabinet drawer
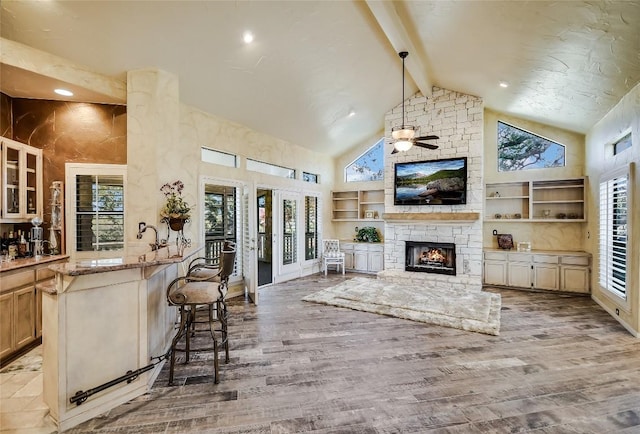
(17, 280)
(376, 248)
(362, 247)
(520, 257)
(545, 259)
(575, 260)
(495, 256)
(44, 274)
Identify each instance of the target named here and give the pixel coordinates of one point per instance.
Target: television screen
(434, 182)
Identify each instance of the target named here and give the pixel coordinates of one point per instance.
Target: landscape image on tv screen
(434, 182)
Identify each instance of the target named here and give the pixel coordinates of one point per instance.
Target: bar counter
(104, 318)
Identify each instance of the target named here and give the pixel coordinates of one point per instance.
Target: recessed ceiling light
(352, 113)
(504, 84)
(63, 92)
(247, 37)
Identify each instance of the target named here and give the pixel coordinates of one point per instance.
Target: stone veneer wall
(458, 120)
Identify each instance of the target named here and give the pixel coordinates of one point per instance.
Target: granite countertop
(164, 256)
(28, 262)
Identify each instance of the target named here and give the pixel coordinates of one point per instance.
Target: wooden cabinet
(24, 311)
(494, 269)
(347, 249)
(574, 273)
(536, 201)
(18, 311)
(363, 257)
(21, 307)
(357, 205)
(7, 339)
(21, 182)
(553, 271)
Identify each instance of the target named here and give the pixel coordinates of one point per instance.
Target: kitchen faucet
(142, 226)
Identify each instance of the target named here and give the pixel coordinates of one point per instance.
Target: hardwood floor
(560, 365)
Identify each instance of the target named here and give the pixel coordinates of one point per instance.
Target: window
(218, 157)
(96, 201)
(622, 144)
(613, 232)
(270, 169)
(368, 166)
(219, 217)
(310, 177)
(521, 150)
(310, 227)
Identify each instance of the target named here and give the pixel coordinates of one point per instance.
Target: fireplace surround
(430, 257)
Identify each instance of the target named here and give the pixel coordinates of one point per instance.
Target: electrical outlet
(617, 311)
(495, 232)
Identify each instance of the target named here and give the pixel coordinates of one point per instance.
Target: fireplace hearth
(430, 257)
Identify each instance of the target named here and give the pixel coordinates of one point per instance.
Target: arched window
(367, 167)
(522, 150)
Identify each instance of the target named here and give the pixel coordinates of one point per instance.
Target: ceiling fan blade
(427, 138)
(426, 145)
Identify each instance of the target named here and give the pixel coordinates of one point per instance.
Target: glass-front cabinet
(21, 182)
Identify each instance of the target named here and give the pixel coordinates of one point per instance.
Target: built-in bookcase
(536, 201)
(358, 205)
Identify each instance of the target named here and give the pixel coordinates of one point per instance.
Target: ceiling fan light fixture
(405, 132)
(403, 145)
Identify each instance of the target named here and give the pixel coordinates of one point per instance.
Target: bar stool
(187, 293)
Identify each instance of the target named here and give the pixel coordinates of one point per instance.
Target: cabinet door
(574, 279)
(519, 274)
(38, 313)
(545, 276)
(376, 261)
(348, 260)
(24, 305)
(12, 164)
(360, 260)
(7, 343)
(495, 272)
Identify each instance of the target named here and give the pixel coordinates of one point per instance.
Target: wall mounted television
(432, 182)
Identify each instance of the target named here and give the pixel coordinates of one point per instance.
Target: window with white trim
(96, 199)
(614, 193)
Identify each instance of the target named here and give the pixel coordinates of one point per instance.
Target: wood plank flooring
(560, 365)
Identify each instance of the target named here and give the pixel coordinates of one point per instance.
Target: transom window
(519, 149)
(369, 166)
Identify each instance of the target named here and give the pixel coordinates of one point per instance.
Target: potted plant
(176, 210)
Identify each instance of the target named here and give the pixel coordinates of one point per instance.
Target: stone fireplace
(457, 119)
(430, 257)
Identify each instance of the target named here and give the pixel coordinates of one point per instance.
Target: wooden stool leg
(216, 363)
(183, 329)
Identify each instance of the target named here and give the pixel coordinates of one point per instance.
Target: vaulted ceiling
(322, 74)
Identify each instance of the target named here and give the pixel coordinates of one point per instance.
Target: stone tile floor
(22, 409)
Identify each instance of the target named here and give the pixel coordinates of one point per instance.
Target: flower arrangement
(176, 207)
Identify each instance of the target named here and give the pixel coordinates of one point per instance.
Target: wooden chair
(189, 292)
(331, 255)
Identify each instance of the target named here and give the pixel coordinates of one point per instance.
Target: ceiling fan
(404, 136)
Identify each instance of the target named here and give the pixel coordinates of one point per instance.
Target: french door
(288, 233)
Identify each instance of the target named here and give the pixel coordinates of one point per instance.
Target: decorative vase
(177, 224)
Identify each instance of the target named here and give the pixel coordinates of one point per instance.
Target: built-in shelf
(561, 200)
(358, 205)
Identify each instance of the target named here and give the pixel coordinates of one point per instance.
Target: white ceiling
(313, 62)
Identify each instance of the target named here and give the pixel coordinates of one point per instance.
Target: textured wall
(67, 132)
